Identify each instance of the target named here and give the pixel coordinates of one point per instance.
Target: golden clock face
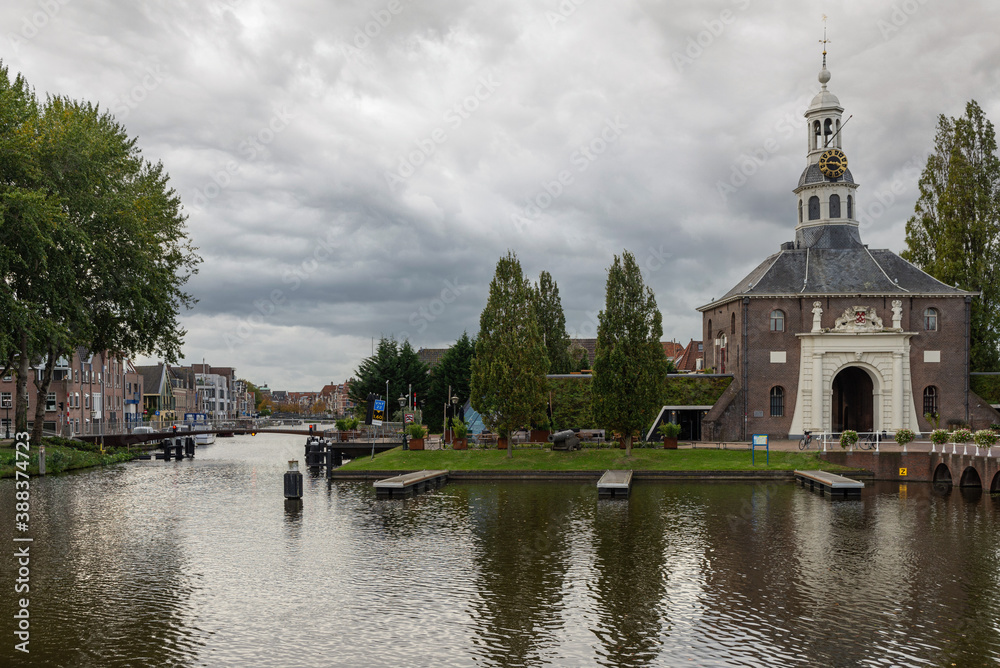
(833, 163)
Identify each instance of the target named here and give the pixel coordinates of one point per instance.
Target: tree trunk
(42, 387)
(21, 388)
(510, 447)
(628, 446)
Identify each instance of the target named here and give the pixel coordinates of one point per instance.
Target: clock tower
(825, 193)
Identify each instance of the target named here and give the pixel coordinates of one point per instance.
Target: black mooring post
(189, 446)
(293, 480)
(179, 449)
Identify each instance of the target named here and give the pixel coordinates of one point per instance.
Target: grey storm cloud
(355, 169)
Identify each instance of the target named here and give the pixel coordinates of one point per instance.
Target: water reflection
(521, 552)
(629, 539)
(202, 563)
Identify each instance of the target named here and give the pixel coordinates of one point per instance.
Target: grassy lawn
(587, 460)
(61, 456)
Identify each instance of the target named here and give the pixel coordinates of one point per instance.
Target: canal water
(198, 563)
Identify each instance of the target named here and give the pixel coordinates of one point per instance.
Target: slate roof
(811, 174)
(823, 271)
(152, 378)
(431, 356)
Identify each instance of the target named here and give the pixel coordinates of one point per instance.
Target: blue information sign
(759, 441)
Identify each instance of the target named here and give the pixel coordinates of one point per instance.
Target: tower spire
(824, 75)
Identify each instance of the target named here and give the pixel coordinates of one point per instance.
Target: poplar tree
(629, 367)
(954, 234)
(552, 324)
(508, 372)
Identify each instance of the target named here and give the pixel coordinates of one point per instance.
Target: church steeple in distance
(825, 193)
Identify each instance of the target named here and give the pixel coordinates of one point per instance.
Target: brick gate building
(827, 334)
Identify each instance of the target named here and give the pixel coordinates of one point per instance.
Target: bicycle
(805, 440)
(868, 442)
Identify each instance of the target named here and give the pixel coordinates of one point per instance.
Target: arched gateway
(853, 401)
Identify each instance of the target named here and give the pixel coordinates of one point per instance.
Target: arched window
(930, 320)
(835, 206)
(732, 324)
(777, 320)
(850, 207)
(930, 400)
(816, 134)
(708, 337)
(828, 130)
(838, 133)
(814, 208)
(777, 401)
(800, 211)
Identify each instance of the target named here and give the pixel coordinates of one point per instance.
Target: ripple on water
(199, 563)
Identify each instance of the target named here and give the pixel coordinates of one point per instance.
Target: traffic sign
(378, 412)
(408, 418)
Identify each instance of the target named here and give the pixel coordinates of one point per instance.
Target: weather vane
(824, 41)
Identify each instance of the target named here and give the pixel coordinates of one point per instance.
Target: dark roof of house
(152, 377)
(431, 356)
(822, 270)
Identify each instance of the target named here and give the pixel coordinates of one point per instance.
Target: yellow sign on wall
(902, 473)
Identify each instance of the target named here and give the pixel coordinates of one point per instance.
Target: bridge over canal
(353, 445)
(971, 468)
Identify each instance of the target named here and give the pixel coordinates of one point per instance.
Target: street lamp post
(6, 406)
(402, 419)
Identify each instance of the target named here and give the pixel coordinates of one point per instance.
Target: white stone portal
(883, 355)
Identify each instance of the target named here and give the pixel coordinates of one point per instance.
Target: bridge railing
(867, 440)
(121, 428)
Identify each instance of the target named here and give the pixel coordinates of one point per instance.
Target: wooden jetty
(829, 483)
(409, 484)
(614, 484)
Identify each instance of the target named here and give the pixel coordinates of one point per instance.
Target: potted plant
(985, 438)
(416, 432)
(962, 436)
(848, 438)
(460, 429)
(670, 431)
(939, 437)
(904, 436)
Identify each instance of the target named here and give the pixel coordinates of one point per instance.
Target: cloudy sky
(353, 169)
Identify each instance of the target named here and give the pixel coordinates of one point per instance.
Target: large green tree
(552, 324)
(96, 253)
(508, 372)
(630, 367)
(954, 234)
(454, 371)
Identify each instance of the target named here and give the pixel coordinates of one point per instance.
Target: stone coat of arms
(859, 319)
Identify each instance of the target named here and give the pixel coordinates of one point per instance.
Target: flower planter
(501, 444)
(539, 436)
(416, 444)
(669, 443)
(460, 444)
